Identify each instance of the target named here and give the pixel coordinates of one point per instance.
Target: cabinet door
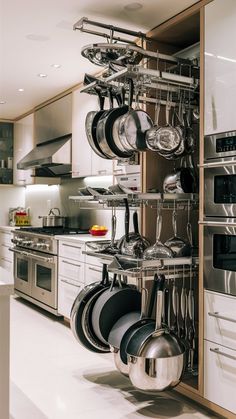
(6, 152)
(71, 269)
(125, 169)
(220, 375)
(92, 274)
(82, 103)
(67, 293)
(71, 250)
(100, 166)
(220, 69)
(23, 144)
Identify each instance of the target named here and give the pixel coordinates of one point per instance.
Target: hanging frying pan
(91, 122)
(77, 314)
(112, 304)
(104, 131)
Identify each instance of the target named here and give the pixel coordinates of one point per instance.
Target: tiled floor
(53, 377)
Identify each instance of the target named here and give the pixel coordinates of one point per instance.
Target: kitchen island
(6, 289)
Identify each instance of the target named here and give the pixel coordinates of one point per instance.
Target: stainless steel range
(35, 264)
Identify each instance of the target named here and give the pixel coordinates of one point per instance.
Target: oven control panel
(225, 144)
(35, 242)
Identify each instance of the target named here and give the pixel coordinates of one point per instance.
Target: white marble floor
(53, 377)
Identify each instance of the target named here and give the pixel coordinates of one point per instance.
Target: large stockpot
(53, 220)
(157, 361)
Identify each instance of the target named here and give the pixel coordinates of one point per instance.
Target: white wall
(10, 197)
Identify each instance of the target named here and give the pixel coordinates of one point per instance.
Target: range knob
(27, 242)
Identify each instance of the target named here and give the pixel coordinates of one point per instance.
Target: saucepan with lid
(53, 220)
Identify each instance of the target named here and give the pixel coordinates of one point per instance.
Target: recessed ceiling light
(2, 102)
(21, 89)
(42, 75)
(56, 65)
(131, 7)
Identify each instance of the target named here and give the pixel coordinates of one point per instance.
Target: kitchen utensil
(181, 180)
(179, 247)
(157, 361)
(91, 122)
(120, 327)
(145, 320)
(158, 250)
(104, 131)
(53, 220)
(191, 330)
(112, 247)
(163, 139)
(132, 244)
(113, 304)
(132, 126)
(83, 332)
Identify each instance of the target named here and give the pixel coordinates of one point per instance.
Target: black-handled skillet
(79, 317)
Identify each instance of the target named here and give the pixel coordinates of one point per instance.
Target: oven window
(44, 277)
(22, 269)
(225, 189)
(224, 252)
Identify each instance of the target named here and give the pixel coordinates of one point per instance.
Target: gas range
(42, 238)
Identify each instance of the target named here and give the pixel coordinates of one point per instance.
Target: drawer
(72, 250)
(220, 319)
(92, 273)
(92, 260)
(6, 264)
(6, 237)
(67, 293)
(220, 375)
(71, 269)
(5, 252)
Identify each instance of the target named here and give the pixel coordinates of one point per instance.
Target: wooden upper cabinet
(220, 66)
(23, 144)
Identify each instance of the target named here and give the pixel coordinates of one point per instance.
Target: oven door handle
(31, 255)
(218, 164)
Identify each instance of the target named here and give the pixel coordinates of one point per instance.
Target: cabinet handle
(118, 170)
(69, 245)
(101, 171)
(218, 352)
(69, 283)
(219, 316)
(69, 263)
(95, 270)
(7, 260)
(5, 245)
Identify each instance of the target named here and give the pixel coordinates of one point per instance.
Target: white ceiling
(36, 34)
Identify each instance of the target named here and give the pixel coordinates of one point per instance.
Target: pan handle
(153, 295)
(105, 277)
(135, 222)
(159, 301)
(126, 220)
(131, 93)
(113, 230)
(144, 300)
(101, 99)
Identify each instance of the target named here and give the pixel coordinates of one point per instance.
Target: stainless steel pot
(53, 220)
(159, 362)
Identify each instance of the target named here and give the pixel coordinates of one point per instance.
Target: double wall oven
(220, 212)
(35, 265)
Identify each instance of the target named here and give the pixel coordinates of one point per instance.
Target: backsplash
(40, 198)
(11, 197)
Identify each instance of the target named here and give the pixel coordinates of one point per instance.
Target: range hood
(52, 130)
(51, 158)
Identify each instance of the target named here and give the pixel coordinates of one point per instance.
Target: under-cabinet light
(232, 60)
(41, 187)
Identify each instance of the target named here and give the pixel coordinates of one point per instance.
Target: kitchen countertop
(8, 228)
(82, 238)
(6, 284)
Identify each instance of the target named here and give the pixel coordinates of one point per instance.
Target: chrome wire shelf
(152, 200)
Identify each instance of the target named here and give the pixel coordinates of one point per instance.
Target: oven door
(22, 271)
(220, 191)
(44, 279)
(220, 257)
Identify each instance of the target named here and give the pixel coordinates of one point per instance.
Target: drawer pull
(69, 245)
(69, 263)
(69, 283)
(95, 270)
(218, 352)
(219, 316)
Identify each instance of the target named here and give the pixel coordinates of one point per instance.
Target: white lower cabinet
(67, 293)
(6, 256)
(220, 319)
(220, 375)
(92, 273)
